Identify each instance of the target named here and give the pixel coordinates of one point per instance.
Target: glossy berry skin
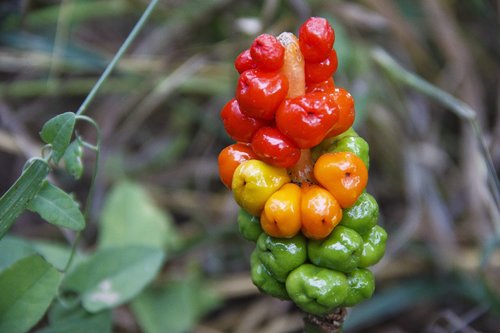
(249, 226)
(281, 214)
(345, 105)
(274, 148)
(263, 279)
(238, 125)
(267, 52)
(320, 212)
(340, 251)
(254, 182)
(244, 61)
(362, 216)
(280, 256)
(361, 286)
(321, 71)
(374, 246)
(230, 158)
(316, 39)
(327, 86)
(317, 290)
(307, 119)
(343, 174)
(260, 93)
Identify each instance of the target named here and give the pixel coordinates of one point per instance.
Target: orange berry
(229, 159)
(345, 106)
(281, 215)
(320, 212)
(343, 174)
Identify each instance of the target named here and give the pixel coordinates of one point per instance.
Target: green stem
(461, 109)
(126, 44)
(73, 251)
(90, 196)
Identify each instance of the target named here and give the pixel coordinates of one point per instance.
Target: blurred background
(159, 114)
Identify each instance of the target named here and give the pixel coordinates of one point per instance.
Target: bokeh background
(159, 114)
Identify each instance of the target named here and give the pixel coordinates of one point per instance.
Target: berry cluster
(283, 106)
(299, 172)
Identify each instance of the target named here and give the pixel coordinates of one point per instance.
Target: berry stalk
(330, 323)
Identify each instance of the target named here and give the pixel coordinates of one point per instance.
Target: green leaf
(130, 217)
(57, 207)
(17, 198)
(175, 307)
(13, 249)
(113, 276)
(28, 287)
(57, 132)
(73, 159)
(74, 319)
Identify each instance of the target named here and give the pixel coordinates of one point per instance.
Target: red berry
(267, 52)
(345, 105)
(327, 86)
(272, 147)
(321, 71)
(316, 38)
(307, 119)
(244, 62)
(260, 93)
(239, 126)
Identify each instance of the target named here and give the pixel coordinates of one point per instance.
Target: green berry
(353, 144)
(374, 247)
(363, 216)
(317, 290)
(281, 255)
(361, 286)
(263, 280)
(249, 225)
(340, 251)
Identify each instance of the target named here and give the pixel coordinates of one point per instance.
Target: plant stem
(293, 68)
(395, 70)
(90, 197)
(123, 48)
(330, 323)
(97, 148)
(302, 171)
(293, 65)
(126, 44)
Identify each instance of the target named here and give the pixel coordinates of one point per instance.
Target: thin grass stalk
(461, 109)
